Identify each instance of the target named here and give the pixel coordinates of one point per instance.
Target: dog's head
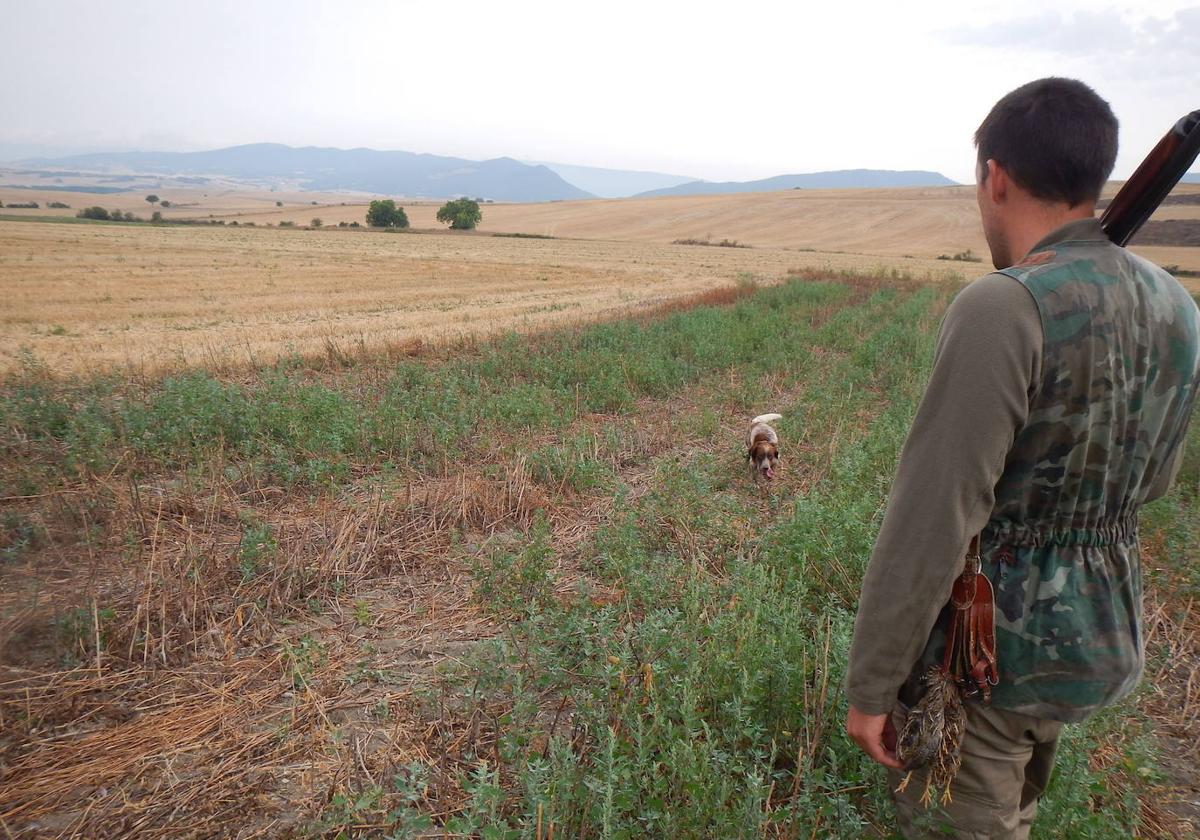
(764, 458)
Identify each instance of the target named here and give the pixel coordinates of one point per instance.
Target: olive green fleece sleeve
(985, 369)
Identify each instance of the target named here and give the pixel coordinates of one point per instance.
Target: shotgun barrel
(1150, 183)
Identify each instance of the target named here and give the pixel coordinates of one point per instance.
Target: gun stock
(1150, 183)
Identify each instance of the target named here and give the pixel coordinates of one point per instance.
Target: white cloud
(1156, 47)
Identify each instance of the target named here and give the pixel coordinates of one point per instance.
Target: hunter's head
(1044, 153)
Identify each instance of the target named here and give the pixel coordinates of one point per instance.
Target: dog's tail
(767, 418)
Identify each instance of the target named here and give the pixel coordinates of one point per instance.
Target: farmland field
(520, 588)
(920, 223)
(140, 297)
(153, 298)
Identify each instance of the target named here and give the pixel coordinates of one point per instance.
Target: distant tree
(164, 203)
(57, 205)
(98, 213)
(156, 218)
(278, 203)
(316, 223)
(383, 213)
(152, 198)
(460, 214)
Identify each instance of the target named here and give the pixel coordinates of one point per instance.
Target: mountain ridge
(830, 179)
(424, 175)
(407, 174)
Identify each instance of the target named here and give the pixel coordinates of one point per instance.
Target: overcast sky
(721, 91)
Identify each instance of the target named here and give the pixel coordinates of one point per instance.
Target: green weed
(517, 580)
(302, 658)
(256, 547)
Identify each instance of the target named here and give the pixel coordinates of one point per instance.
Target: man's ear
(997, 182)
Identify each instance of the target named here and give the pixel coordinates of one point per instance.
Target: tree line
(459, 214)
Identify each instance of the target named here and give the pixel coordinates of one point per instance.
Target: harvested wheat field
(86, 296)
(919, 223)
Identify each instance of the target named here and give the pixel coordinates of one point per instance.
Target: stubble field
(146, 297)
(83, 296)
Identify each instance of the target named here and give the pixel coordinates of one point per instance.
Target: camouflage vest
(1120, 371)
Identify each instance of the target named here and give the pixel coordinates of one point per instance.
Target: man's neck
(1037, 220)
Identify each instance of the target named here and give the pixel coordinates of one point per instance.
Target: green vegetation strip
(705, 701)
(286, 426)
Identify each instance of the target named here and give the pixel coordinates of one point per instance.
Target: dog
(763, 452)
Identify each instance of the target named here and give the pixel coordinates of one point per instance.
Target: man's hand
(876, 735)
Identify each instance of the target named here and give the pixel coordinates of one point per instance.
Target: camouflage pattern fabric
(1120, 372)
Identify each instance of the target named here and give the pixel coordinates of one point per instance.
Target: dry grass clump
(208, 659)
(97, 771)
(208, 573)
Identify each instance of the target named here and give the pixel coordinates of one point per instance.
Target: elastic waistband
(1034, 535)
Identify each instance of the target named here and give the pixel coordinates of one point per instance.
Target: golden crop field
(85, 296)
(96, 296)
(918, 222)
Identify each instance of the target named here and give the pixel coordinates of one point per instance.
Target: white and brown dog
(763, 452)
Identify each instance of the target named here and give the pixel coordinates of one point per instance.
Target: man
(1057, 405)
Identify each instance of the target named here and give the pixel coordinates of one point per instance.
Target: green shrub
(460, 214)
(383, 213)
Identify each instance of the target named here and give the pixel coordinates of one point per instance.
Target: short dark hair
(1055, 137)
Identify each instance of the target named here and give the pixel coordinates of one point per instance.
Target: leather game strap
(970, 656)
